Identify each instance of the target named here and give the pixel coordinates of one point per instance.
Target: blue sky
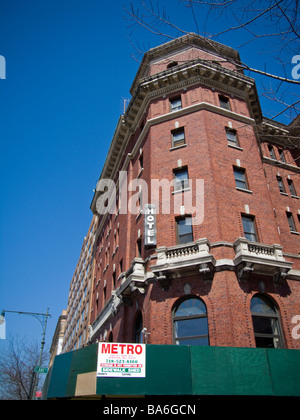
(69, 64)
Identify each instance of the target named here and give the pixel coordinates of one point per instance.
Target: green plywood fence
(66, 367)
(168, 372)
(186, 370)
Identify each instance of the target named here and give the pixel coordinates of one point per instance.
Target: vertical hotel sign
(150, 224)
(117, 360)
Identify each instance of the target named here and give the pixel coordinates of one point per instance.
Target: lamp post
(42, 318)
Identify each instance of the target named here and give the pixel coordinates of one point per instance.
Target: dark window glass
(190, 323)
(232, 137)
(200, 341)
(240, 178)
(141, 162)
(139, 247)
(291, 222)
(138, 335)
(172, 64)
(249, 228)
(266, 323)
(280, 184)
(184, 230)
(181, 179)
(281, 155)
(175, 104)
(271, 151)
(291, 187)
(178, 137)
(224, 102)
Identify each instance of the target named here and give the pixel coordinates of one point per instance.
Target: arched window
(190, 323)
(266, 323)
(138, 335)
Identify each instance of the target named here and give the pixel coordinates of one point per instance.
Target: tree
(270, 27)
(17, 363)
(273, 26)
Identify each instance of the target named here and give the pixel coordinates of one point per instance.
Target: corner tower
(191, 134)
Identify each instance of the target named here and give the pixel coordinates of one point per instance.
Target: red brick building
(231, 278)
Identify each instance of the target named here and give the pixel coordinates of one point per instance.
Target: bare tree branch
(17, 363)
(276, 21)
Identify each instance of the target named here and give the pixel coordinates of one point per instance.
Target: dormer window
(172, 64)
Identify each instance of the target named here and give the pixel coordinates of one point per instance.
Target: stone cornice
(194, 258)
(180, 44)
(206, 73)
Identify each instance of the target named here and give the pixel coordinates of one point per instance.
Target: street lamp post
(42, 318)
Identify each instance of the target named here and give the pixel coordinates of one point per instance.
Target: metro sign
(121, 360)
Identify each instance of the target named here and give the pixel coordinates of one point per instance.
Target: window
(184, 230)
(181, 179)
(141, 162)
(97, 302)
(138, 334)
(240, 178)
(104, 294)
(232, 137)
(266, 323)
(224, 102)
(271, 151)
(190, 323)
(178, 137)
(172, 64)
(139, 247)
(281, 155)
(138, 202)
(291, 221)
(280, 184)
(292, 187)
(175, 104)
(249, 228)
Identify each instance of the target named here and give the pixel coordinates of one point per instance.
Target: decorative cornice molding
(195, 258)
(188, 41)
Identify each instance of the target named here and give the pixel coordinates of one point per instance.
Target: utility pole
(42, 318)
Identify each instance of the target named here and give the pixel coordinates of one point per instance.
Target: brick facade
(217, 266)
(78, 312)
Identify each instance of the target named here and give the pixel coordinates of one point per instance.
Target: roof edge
(191, 39)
